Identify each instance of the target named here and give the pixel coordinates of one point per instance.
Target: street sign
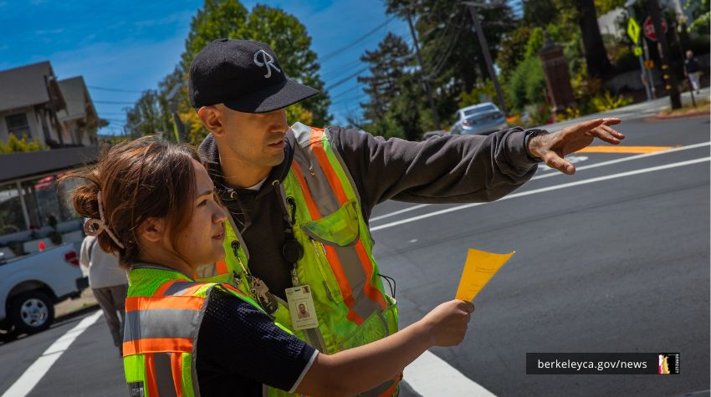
(633, 30)
(648, 26)
(637, 50)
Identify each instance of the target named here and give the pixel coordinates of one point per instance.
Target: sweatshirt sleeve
(443, 169)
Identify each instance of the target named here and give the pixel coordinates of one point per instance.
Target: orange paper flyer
(479, 268)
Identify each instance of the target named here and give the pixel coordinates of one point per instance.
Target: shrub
(606, 101)
(24, 144)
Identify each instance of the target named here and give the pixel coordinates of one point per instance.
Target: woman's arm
(363, 368)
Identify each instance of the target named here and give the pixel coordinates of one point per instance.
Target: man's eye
(202, 203)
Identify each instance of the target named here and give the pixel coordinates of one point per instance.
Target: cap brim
(272, 98)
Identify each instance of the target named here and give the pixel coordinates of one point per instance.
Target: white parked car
(481, 119)
(31, 285)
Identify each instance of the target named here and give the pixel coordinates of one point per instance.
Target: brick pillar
(555, 69)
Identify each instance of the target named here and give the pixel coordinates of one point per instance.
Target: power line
(356, 41)
(345, 79)
(340, 94)
(115, 102)
(93, 87)
(351, 99)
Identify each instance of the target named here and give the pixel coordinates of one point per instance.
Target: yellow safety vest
(338, 264)
(163, 314)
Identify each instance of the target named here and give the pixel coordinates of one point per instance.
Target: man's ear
(211, 117)
(152, 230)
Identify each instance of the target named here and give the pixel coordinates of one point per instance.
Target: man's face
(254, 139)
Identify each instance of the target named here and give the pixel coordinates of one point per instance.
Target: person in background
(108, 283)
(692, 70)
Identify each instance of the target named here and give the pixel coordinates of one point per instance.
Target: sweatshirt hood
(211, 159)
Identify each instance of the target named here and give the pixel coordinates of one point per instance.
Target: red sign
(648, 27)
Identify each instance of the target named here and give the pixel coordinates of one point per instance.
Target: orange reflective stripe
(343, 284)
(331, 255)
(134, 303)
(310, 204)
(150, 377)
(157, 345)
(390, 391)
(161, 290)
(234, 289)
(370, 291)
(320, 153)
(221, 266)
(317, 146)
(176, 366)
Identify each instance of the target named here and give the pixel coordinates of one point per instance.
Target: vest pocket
(377, 326)
(339, 228)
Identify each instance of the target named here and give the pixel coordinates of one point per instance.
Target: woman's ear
(211, 118)
(152, 230)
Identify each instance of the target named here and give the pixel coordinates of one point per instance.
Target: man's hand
(552, 148)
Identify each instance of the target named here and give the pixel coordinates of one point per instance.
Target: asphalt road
(616, 263)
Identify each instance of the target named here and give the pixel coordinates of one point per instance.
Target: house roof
(26, 86)
(15, 166)
(79, 104)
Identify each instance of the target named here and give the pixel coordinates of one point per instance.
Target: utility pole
(668, 75)
(426, 81)
(179, 129)
(487, 56)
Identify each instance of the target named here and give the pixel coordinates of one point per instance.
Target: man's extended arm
(444, 169)
(461, 168)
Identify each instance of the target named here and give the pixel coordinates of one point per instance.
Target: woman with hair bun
(153, 205)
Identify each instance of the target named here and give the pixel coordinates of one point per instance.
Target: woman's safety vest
(164, 310)
(338, 264)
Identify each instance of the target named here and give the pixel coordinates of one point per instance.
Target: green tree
(451, 52)
(392, 89)
(145, 117)
(700, 16)
(512, 46)
(605, 6)
(230, 19)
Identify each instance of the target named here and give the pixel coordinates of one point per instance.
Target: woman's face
(200, 242)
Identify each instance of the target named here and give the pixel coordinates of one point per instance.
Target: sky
(122, 48)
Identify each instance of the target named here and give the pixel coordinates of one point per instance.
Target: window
(17, 124)
(11, 219)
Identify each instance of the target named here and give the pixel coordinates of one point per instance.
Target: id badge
(301, 307)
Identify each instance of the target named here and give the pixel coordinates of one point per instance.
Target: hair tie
(93, 227)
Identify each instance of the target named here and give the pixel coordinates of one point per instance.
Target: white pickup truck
(31, 285)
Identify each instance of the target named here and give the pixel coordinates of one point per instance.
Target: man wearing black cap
(300, 197)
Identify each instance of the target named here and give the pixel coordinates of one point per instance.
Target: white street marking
(449, 382)
(24, 385)
(542, 190)
(587, 167)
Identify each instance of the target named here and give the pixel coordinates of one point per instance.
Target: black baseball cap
(245, 76)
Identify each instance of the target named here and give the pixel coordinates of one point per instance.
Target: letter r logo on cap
(262, 58)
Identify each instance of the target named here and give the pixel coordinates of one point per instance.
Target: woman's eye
(202, 203)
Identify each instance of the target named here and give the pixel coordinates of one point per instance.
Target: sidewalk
(84, 301)
(635, 111)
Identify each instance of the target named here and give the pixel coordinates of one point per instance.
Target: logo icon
(262, 58)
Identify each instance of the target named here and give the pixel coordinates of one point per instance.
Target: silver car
(481, 119)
